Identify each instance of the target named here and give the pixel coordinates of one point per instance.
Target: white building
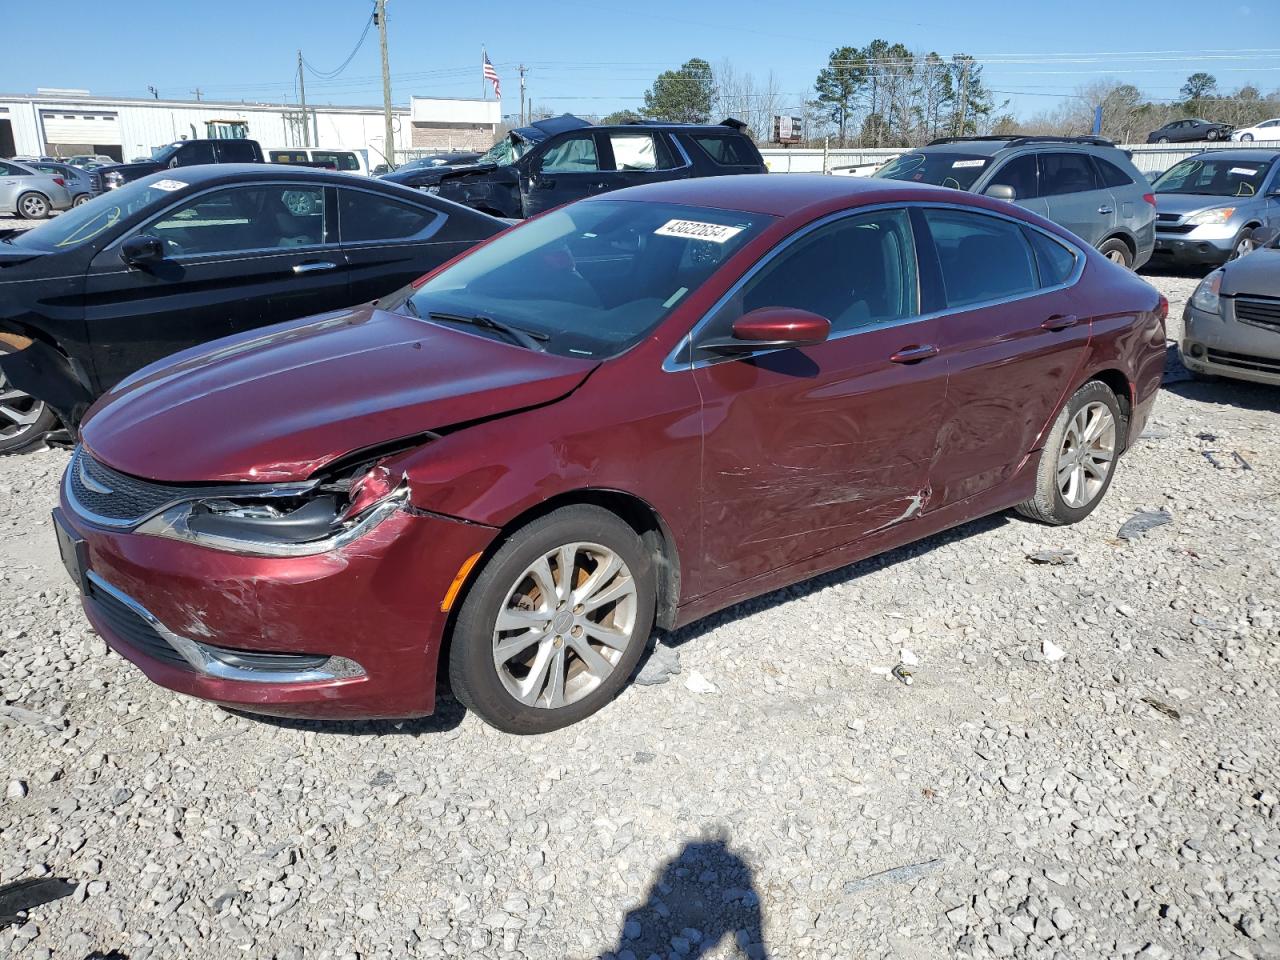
(68, 122)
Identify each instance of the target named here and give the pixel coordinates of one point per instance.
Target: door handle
(313, 267)
(1106, 209)
(915, 354)
(1060, 322)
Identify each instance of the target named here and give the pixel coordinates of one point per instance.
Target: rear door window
(641, 151)
(367, 217)
(1063, 173)
(982, 258)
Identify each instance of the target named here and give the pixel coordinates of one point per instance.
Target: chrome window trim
(203, 658)
(133, 231)
(672, 363)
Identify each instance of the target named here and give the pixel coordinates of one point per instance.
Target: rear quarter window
(1055, 261)
(726, 150)
(1109, 175)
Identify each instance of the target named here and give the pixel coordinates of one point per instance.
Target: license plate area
(73, 549)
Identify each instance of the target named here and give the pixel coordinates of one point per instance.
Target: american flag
(491, 75)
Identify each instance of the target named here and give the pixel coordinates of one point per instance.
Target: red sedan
(633, 410)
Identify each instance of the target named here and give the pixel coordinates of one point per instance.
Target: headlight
(1206, 296)
(286, 522)
(113, 180)
(1206, 217)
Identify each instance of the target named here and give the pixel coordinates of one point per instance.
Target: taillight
(1150, 198)
(59, 181)
(1163, 308)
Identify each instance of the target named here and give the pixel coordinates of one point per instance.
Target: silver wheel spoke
(610, 638)
(540, 572)
(564, 584)
(514, 646)
(532, 686)
(596, 665)
(20, 419)
(516, 619)
(555, 683)
(602, 575)
(621, 588)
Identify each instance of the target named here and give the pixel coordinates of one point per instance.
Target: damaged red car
(634, 410)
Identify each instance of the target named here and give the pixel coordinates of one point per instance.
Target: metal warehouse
(69, 122)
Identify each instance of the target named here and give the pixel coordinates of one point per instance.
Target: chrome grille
(95, 183)
(1264, 313)
(117, 499)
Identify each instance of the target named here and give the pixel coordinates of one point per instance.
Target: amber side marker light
(452, 593)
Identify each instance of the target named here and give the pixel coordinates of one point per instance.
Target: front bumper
(1210, 245)
(1224, 347)
(354, 634)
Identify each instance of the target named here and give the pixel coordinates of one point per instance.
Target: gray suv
(1208, 206)
(1082, 183)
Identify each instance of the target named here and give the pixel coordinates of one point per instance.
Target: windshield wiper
(514, 334)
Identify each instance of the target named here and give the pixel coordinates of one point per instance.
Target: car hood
(277, 405)
(1257, 274)
(1184, 204)
(429, 175)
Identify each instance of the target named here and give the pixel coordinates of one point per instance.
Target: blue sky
(593, 57)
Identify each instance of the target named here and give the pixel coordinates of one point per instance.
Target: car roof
(798, 195)
(213, 172)
(1240, 154)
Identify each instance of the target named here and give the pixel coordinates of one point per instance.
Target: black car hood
(129, 169)
(11, 256)
(539, 130)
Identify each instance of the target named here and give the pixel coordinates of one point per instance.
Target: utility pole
(964, 94)
(389, 151)
(523, 121)
(197, 92)
(153, 91)
(302, 99)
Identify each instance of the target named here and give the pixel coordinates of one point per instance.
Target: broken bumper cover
(352, 634)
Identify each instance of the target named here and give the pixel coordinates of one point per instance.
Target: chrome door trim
(671, 364)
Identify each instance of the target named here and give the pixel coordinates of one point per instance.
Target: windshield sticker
(168, 185)
(967, 163)
(1244, 171)
(696, 230)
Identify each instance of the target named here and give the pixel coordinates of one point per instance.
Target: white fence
(1150, 158)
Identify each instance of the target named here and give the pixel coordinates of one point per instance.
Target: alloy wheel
(34, 207)
(81, 200)
(565, 625)
(1087, 455)
(18, 411)
(1116, 256)
(1244, 245)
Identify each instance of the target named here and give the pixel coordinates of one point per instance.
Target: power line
(330, 74)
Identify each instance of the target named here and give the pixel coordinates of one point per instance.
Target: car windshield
(504, 151)
(161, 154)
(1215, 177)
(81, 224)
(590, 279)
(942, 169)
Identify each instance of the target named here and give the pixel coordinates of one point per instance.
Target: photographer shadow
(703, 895)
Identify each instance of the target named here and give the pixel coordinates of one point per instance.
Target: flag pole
(484, 55)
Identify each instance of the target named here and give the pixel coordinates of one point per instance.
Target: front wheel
(24, 420)
(555, 622)
(1163, 140)
(1079, 457)
(1247, 137)
(1244, 245)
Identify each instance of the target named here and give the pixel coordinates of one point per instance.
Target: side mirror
(1002, 191)
(141, 250)
(772, 328)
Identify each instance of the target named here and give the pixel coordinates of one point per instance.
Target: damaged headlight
(287, 521)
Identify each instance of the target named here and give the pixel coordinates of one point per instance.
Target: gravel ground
(1085, 765)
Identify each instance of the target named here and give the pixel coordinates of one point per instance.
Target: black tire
(1117, 251)
(33, 206)
(1163, 140)
(1048, 505)
(473, 674)
(12, 437)
(1246, 138)
(81, 199)
(1244, 245)
(1212, 135)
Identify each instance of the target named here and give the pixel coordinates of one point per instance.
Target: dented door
(805, 450)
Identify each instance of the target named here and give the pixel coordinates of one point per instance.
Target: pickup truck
(181, 153)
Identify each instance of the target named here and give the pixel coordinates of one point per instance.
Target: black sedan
(185, 256)
(1190, 131)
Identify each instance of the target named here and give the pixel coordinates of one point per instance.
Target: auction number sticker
(168, 185)
(959, 164)
(1244, 171)
(697, 230)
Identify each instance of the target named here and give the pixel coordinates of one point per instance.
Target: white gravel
(1085, 764)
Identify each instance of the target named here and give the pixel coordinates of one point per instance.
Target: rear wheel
(1163, 140)
(1079, 457)
(1117, 251)
(1247, 137)
(23, 419)
(555, 622)
(34, 206)
(81, 200)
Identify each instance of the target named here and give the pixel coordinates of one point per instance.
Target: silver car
(78, 180)
(1082, 183)
(1208, 206)
(1231, 324)
(30, 193)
